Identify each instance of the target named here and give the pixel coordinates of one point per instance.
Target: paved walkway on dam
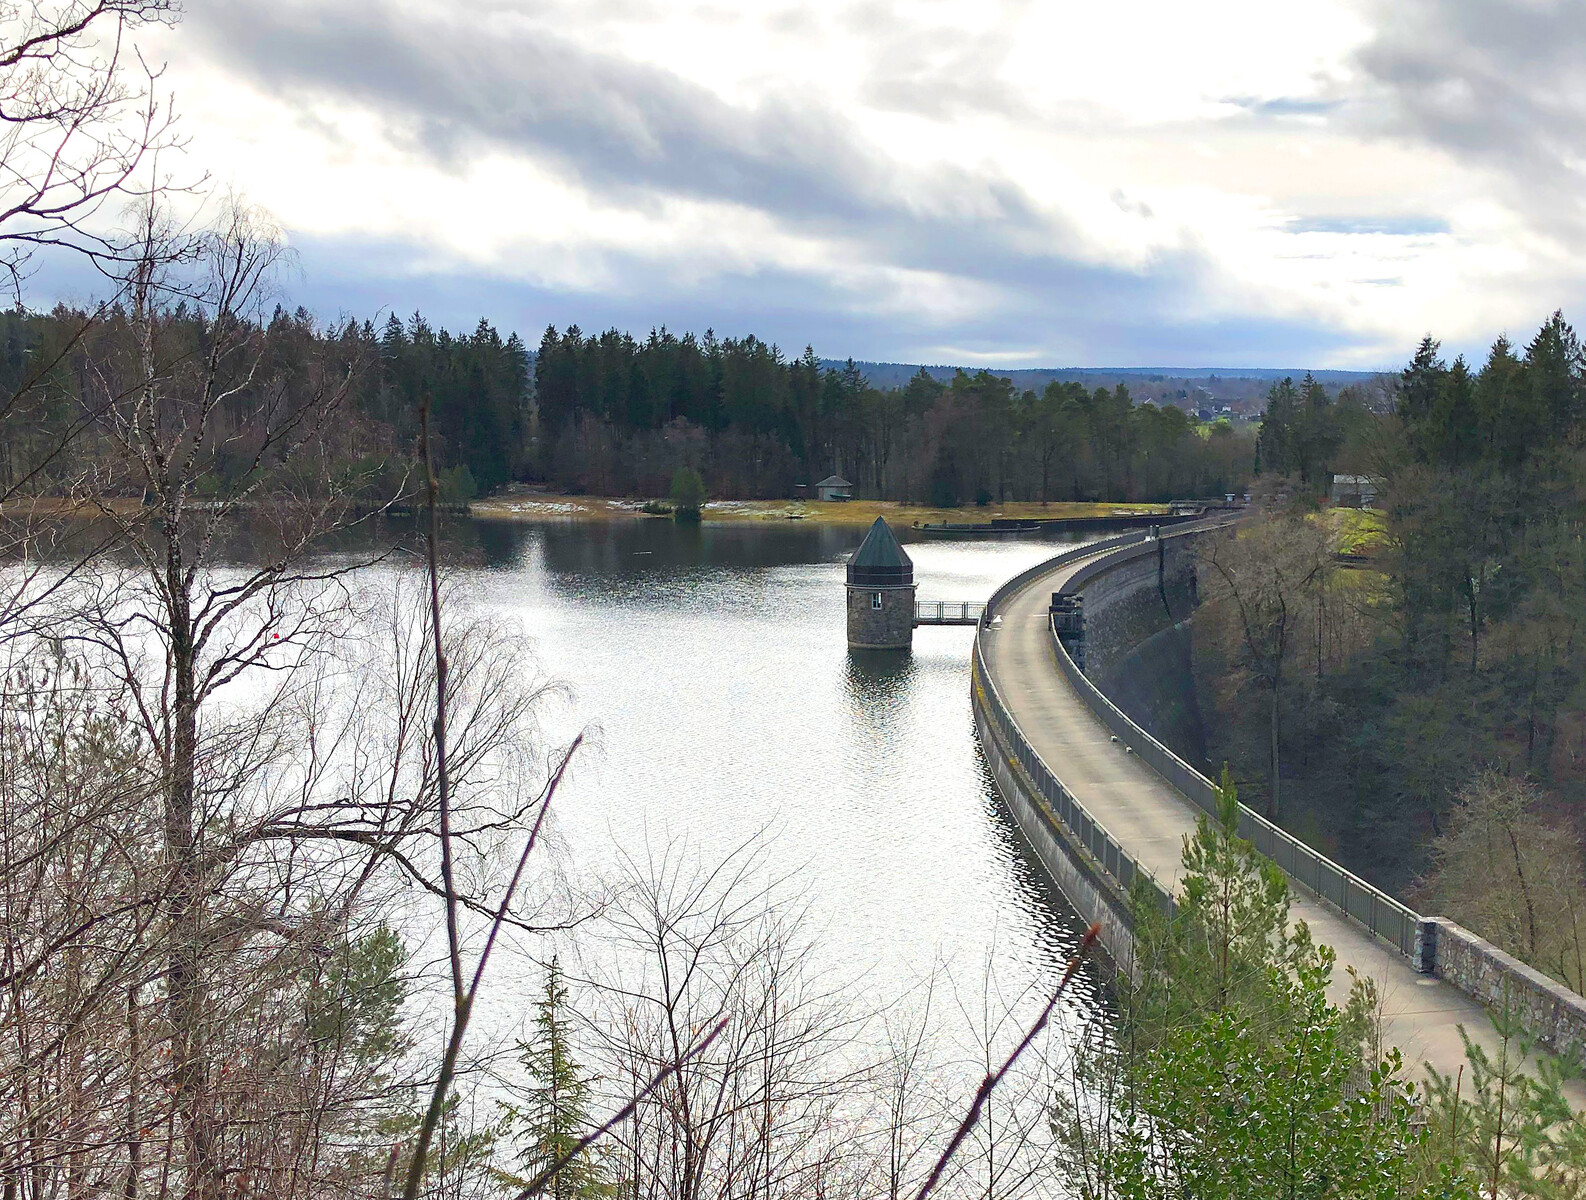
(1149, 818)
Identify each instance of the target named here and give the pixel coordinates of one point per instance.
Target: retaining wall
(1139, 594)
(1155, 685)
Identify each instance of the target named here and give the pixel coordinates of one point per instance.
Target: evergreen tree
(1236, 1077)
(688, 494)
(555, 1114)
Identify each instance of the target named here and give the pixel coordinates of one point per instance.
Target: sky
(1019, 183)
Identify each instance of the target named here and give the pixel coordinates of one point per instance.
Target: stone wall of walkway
(1083, 881)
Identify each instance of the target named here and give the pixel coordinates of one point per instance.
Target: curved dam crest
(1105, 805)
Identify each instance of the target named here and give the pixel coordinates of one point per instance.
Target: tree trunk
(184, 985)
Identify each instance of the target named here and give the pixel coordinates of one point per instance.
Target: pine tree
(555, 1113)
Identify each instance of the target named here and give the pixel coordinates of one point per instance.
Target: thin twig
(463, 1000)
(465, 1007)
(990, 1082)
(442, 779)
(523, 860)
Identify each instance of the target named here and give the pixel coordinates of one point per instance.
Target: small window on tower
(875, 599)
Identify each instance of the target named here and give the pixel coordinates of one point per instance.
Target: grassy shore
(535, 506)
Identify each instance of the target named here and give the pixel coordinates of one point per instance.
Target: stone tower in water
(880, 593)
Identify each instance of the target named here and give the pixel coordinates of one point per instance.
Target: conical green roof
(880, 561)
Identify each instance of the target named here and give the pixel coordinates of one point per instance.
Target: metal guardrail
(1377, 912)
(948, 612)
(1084, 550)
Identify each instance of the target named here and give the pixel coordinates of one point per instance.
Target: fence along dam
(1103, 803)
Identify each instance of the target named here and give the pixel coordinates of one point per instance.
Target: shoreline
(535, 506)
(543, 506)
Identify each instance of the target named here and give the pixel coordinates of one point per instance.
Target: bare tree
(82, 125)
(275, 713)
(913, 1104)
(1513, 876)
(82, 116)
(1263, 579)
(770, 1109)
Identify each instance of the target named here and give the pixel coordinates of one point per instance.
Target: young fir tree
(1236, 1077)
(556, 1112)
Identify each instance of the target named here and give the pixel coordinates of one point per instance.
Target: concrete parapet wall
(1546, 1009)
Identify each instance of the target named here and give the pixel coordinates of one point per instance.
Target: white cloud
(1031, 177)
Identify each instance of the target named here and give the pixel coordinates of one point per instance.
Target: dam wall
(1154, 684)
(1115, 579)
(1054, 827)
(1137, 639)
(1130, 596)
(1087, 864)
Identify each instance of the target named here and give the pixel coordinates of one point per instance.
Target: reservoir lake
(709, 665)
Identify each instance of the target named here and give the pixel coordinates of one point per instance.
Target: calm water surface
(712, 662)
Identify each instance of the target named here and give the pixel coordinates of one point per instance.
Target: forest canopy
(1428, 647)
(612, 415)
(616, 414)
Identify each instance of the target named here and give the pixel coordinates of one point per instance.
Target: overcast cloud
(1229, 183)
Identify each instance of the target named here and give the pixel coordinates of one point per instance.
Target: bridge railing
(943, 611)
(1083, 550)
(1375, 910)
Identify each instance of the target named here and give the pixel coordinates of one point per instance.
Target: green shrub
(457, 485)
(688, 494)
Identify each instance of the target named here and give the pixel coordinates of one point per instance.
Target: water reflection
(714, 660)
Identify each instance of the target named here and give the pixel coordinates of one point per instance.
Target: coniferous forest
(1404, 686)
(610, 415)
(618, 415)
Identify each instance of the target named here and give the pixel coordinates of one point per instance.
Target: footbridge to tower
(1104, 804)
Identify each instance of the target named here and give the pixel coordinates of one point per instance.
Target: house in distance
(834, 487)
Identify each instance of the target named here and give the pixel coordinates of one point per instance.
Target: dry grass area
(539, 506)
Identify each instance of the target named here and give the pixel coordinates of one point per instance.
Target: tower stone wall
(890, 627)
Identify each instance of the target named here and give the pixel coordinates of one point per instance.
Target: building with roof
(1354, 491)
(834, 487)
(880, 593)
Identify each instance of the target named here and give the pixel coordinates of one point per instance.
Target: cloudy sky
(1030, 182)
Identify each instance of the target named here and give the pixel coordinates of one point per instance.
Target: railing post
(1425, 956)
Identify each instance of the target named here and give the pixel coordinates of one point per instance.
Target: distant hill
(1236, 386)
(1243, 389)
